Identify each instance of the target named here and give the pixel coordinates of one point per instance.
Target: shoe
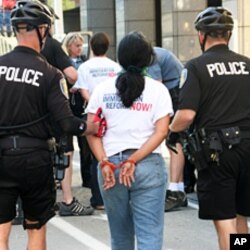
(175, 199)
(75, 208)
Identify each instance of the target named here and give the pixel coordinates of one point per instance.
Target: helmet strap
(230, 34)
(41, 39)
(202, 44)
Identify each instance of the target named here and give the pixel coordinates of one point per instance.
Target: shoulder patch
(183, 78)
(64, 87)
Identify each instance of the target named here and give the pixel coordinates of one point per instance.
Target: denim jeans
(5, 20)
(138, 211)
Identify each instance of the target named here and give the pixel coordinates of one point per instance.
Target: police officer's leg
(224, 228)
(36, 238)
(241, 224)
(4, 235)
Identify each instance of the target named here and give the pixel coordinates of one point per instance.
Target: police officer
(214, 97)
(31, 91)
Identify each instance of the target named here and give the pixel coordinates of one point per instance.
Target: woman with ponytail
(132, 172)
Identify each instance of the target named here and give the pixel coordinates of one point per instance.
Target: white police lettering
(231, 68)
(13, 74)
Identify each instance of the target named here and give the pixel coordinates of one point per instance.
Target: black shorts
(224, 191)
(30, 176)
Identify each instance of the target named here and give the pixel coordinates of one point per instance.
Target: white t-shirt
(95, 71)
(129, 128)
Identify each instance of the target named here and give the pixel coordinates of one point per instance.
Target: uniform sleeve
(164, 105)
(82, 81)
(189, 97)
(62, 60)
(58, 103)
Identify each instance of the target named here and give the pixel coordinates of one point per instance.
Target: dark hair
(134, 54)
(99, 43)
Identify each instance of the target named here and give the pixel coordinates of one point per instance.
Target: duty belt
(17, 142)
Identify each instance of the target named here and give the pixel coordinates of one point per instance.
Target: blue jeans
(5, 20)
(139, 210)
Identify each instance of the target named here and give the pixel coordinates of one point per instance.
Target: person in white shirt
(90, 74)
(131, 171)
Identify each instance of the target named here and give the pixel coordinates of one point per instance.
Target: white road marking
(78, 235)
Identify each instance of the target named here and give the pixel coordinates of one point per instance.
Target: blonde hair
(71, 38)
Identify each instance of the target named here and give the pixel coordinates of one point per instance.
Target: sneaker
(75, 208)
(175, 199)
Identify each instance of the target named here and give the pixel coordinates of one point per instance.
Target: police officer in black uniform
(214, 97)
(31, 91)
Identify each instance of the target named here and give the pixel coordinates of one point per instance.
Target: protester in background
(93, 72)
(214, 98)
(132, 172)
(73, 43)
(166, 68)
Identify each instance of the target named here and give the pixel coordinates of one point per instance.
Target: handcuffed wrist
(105, 162)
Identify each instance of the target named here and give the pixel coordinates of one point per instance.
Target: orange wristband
(104, 163)
(128, 161)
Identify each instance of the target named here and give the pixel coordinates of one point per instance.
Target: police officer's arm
(71, 74)
(76, 126)
(182, 120)
(64, 64)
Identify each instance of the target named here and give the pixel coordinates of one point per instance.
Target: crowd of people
(122, 113)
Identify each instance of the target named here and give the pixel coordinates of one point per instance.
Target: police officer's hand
(171, 141)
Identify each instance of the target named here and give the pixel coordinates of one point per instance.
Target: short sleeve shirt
(129, 128)
(216, 85)
(30, 89)
(94, 71)
(55, 54)
(166, 68)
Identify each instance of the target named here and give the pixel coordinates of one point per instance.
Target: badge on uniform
(64, 87)
(183, 78)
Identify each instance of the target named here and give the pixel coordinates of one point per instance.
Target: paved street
(183, 230)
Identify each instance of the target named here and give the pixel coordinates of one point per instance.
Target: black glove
(171, 141)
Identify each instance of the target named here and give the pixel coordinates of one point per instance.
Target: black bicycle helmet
(213, 19)
(31, 12)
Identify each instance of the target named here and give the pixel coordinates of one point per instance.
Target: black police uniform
(30, 89)
(56, 56)
(216, 85)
